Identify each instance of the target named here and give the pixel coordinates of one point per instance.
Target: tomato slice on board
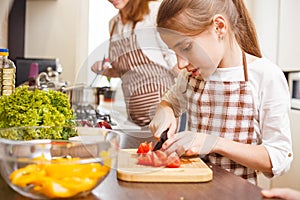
(173, 161)
(145, 147)
(156, 158)
(145, 159)
(151, 146)
(159, 158)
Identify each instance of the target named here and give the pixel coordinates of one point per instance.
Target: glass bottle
(7, 73)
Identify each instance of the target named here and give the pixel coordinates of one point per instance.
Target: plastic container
(7, 73)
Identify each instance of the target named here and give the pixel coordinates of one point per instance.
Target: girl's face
(200, 55)
(119, 4)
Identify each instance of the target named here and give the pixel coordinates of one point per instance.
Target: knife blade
(102, 64)
(163, 138)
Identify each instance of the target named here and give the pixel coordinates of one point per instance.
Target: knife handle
(163, 138)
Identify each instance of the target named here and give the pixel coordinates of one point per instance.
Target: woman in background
(137, 57)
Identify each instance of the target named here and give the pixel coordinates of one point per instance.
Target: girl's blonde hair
(192, 17)
(135, 10)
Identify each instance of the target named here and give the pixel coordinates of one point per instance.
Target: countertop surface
(290, 69)
(223, 186)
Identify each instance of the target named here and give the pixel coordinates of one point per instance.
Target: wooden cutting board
(191, 170)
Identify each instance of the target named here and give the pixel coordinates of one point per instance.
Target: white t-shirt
(272, 101)
(147, 36)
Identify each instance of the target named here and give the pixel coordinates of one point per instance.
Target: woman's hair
(192, 17)
(135, 10)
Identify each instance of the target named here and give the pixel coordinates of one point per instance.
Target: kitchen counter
(224, 185)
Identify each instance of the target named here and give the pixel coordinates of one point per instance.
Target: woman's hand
(99, 67)
(284, 193)
(163, 119)
(191, 142)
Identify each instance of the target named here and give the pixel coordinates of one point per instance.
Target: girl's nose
(182, 62)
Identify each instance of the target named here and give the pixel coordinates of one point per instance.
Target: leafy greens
(34, 108)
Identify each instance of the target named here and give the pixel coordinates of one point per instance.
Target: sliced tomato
(145, 159)
(173, 161)
(156, 158)
(151, 146)
(159, 158)
(145, 147)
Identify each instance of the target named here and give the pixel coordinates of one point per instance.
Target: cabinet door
(267, 23)
(292, 177)
(289, 31)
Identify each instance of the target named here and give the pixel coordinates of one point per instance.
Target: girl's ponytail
(245, 31)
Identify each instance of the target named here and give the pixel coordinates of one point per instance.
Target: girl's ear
(220, 25)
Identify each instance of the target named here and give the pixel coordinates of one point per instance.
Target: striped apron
(224, 109)
(143, 81)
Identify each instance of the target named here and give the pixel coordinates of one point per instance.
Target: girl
(137, 58)
(237, 101)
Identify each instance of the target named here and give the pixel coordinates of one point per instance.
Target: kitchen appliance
(294, 85)
(89, 113)
(23, 67)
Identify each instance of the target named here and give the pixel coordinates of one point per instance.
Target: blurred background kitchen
(68, 31)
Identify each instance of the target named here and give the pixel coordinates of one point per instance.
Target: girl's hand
(192, 142)
(164, 119)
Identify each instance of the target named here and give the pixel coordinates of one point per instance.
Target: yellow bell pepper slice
(58, 178)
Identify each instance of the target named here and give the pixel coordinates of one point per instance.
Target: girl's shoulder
(264, 66)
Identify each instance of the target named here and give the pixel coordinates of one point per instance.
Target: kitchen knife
(102, 64)
(163, 138)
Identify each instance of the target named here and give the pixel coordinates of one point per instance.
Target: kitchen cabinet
(292, 177)
(16, 29)
(288, 49)
(278, 34)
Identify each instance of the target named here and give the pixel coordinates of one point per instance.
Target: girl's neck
(232, 56)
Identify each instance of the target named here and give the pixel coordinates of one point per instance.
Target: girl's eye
(187, 47)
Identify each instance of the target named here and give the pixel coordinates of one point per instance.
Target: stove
(90, 116)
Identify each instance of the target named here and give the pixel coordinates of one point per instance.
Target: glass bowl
(48, 169)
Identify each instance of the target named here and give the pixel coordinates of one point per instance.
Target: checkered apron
(224, 109)
(143, 81)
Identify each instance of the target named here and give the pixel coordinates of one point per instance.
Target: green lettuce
(36, 108)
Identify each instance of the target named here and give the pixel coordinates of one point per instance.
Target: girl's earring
(221, 37)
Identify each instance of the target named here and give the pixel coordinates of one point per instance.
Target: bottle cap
(4, 52)
(34, 70)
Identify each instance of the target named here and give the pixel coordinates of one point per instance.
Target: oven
(294, 85)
